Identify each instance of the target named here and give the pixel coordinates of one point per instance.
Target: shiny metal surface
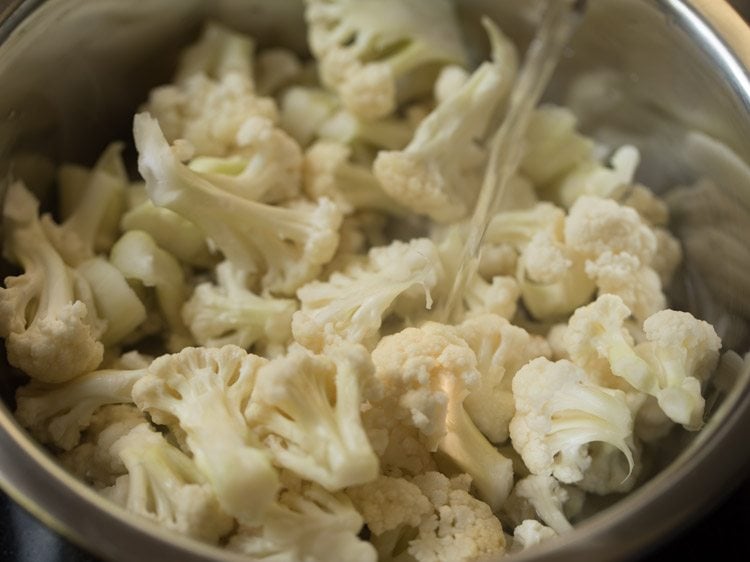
(73, 71)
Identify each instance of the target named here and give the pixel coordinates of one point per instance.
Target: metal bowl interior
(665, 75)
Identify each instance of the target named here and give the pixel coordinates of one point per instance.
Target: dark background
(723, 533)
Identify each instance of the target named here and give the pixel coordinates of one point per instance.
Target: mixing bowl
(670, 76)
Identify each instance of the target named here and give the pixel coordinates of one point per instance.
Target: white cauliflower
(351, 305)
(388, 503)
(372, 51)
(559, 412)
(501, 349)
(213, 94)
(164, 485)
(553, 147)
(530, 533)
(92, 217)
(426, 374)
(328, 172)
(438, 173)
(48, 317)
(306, 523)
(140, 260)
(458, 527)
(203, 392)
(266, 166)
(289, 244)
(91, 460)
(170, 231)
(228, 312)
(540, 497)
(619, 248)
(679, 351)
(57, 414)
(305, 409)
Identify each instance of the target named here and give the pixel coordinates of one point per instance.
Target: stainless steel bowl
(72, 73)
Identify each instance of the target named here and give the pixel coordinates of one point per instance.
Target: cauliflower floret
(498, 296)
(304, 110)
(213, 94)
(553, 147)
(47, 314)
(289, 244)
(679, 351)
(620, 249)
(305, 408)
(372, 52)
(276, 67)
(610, 472)
(267, 166)
(559, 412)
(460, 529)
(596, 179)
(426, 374)
(306, 523)
(540, 497)
(139, 259)
(551, 277)
(116, 301)
(92, 461)
(203, 392)
(501, 349)
(530, 533)
(229, 313)
(517, 228)
(170, 231)
(352, 303)
(90, 226)
(438, 173)
(389, 503)
(57, 414)
(328, 172)
(164, 485)
(366, 137)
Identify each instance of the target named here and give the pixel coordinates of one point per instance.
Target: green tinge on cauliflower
(164, 485)
(57, 414)
(438, 173)
(372, 52)
(228, 312)
(559, 412)
(203, 392)
(49, 318)
(305, 408)
(351, 305)
(267, 167)
(289, 244)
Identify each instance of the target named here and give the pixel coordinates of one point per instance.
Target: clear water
(506, 148)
